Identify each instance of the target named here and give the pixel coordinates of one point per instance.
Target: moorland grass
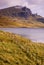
(19, 22)
(17, 50)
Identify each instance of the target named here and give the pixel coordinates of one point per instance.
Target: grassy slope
(18, 22)
(16, 50)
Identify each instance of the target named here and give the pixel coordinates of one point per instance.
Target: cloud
(6, 3)
(36, 2)
(3, 3)
(20, 2)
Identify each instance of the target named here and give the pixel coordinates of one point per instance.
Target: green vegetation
(19, 22)
(17, 50)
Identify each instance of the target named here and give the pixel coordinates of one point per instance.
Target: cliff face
(16, 11)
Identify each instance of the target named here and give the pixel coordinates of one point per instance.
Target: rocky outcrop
(19, 11)
(16, 12)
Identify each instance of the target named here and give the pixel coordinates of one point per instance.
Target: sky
(36, 6)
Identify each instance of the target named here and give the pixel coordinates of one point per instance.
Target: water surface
(35, 34)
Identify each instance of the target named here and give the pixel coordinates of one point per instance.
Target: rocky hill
(16, 11)
(18, 16)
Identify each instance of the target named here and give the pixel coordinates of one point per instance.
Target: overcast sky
(36, 6)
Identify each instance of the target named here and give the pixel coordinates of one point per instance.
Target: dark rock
(40, 19)
(16, 12)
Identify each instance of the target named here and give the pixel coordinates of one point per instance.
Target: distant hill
(18, 16)
(17, 50)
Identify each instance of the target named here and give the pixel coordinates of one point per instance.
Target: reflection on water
(35, 34)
